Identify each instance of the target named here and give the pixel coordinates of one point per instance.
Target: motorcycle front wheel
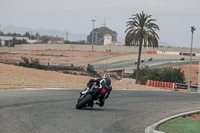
(86, 100)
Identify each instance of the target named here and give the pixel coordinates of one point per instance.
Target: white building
(108, 40)
(7, 38)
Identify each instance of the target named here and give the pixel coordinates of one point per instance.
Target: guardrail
(60, 67)
(169, 85)
(159, 84)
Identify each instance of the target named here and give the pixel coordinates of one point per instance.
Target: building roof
(107, 35)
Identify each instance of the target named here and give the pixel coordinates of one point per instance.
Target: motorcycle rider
(104, 85)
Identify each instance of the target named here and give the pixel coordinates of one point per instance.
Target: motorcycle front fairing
(94, 91)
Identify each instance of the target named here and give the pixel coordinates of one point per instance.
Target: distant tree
(32, 63)
(141, 30)
(45, 39)
(99, 33)
(37, 35)
(14, 41)
(27, 34)
(13, 34)
(67, 42)
(174, 75)
(23, 41)
(1, 33)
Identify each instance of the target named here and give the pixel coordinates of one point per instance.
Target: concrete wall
(8, 49)
(198, 55)
(183, 50)
(74, 47)
(168, 52)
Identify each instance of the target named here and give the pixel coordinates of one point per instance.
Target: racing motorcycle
(90, 95)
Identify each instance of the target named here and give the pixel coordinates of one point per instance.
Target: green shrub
(90, 68)
(174, 75)
(32, 63)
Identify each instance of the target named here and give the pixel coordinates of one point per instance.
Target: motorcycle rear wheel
(86, 100)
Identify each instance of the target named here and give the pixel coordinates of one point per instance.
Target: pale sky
(174, 17)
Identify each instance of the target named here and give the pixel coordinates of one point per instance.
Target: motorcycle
(90, 95)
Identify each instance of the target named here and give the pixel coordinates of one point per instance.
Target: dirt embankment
(19, 77)
(194, 72)
(14, 77)
(194, 117)
(77, 58)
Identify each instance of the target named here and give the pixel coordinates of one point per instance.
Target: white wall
(198, 55)
(2, 43)
(107, 40)
(32, 41)
(168, 52)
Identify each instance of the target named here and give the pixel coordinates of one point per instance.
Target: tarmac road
(131, 64)
(53, 111)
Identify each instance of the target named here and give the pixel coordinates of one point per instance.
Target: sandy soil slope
(19, 77)
(78, 58)
(14, 77)
(194, 72)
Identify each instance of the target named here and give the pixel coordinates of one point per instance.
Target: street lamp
(163, 58)
(66, 35)
(93, 34)
(189, 82)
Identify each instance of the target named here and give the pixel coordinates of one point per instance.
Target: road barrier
(188, 54)
(169, 85)
(151, 52)
(159, 84)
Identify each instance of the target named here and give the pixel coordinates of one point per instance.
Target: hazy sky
(174, 17)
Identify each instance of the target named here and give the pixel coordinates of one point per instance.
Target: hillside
(15, 77)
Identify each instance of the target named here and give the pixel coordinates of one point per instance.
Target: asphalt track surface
(53, 111)
(131, 64)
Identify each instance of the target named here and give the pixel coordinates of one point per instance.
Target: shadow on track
(98, 109)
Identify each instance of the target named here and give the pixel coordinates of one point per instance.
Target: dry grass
(19, 77)
(15, 77)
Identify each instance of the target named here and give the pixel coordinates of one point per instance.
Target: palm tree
(141, 30)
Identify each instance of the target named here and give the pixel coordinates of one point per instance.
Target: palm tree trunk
(138, 61)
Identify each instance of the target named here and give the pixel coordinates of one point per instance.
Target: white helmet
(106, 76)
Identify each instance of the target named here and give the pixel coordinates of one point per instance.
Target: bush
(90, 68)
(92, 71)
(32, 63)
(164, 75)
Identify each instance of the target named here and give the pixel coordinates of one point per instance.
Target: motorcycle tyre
(87, 99)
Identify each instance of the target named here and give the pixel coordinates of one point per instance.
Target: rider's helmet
(106, 76)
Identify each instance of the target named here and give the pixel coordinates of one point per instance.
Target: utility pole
(163, 58)
(93, 34)
(66, 35)
(189, 80)
(96, 38)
